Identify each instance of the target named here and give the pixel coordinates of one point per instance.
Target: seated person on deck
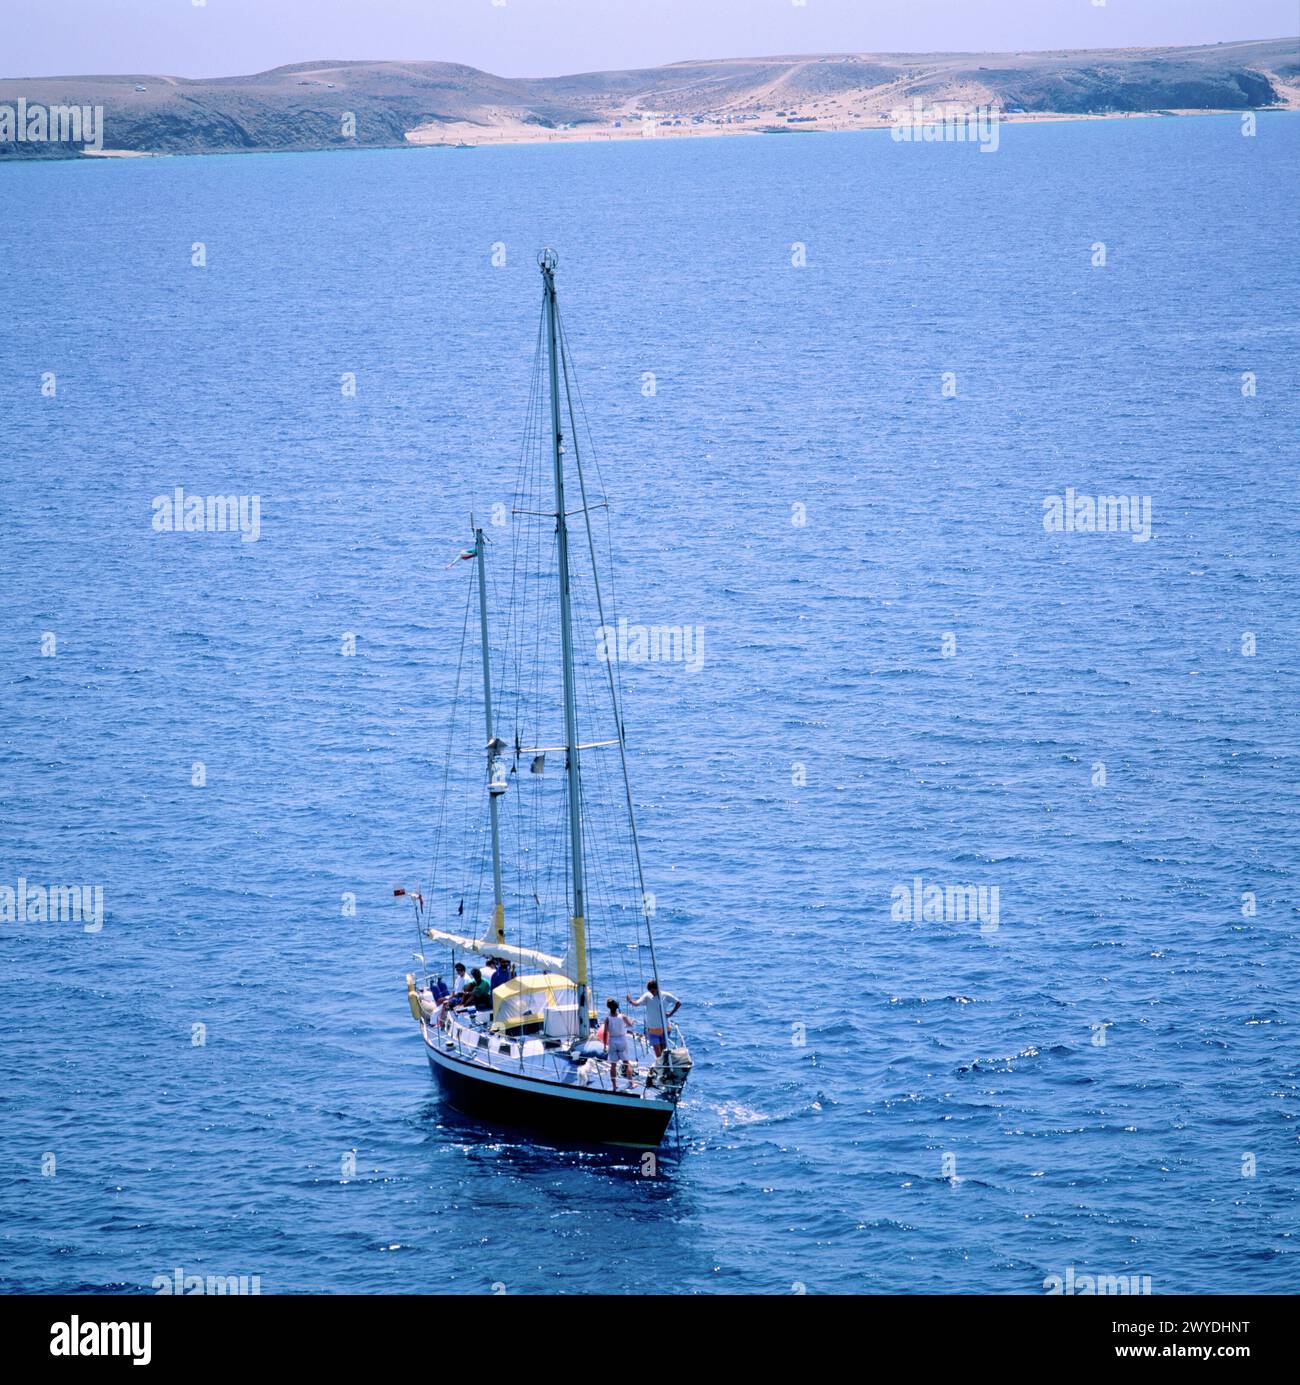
(478, 994)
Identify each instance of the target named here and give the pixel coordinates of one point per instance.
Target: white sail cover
(489, 947)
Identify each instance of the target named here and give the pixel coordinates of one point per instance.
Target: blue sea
(875, 365)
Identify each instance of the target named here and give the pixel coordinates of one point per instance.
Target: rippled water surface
(954, 1120)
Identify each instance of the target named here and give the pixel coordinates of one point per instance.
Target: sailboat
(533, 1047)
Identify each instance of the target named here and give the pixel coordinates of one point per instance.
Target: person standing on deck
(618, 1044)
(656, 1024)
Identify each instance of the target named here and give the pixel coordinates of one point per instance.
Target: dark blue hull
(566, 1115)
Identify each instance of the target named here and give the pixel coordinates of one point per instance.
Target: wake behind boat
(536, 1044)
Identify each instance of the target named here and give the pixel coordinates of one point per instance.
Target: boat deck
(541, 1059)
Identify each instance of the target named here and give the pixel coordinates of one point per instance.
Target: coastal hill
(306, 105)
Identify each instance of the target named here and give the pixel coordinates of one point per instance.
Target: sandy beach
(465, 134)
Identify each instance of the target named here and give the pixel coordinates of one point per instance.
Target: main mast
(548, 260)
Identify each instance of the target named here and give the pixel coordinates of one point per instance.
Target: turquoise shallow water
(951, 1123)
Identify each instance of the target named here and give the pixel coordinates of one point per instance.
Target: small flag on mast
(463, 557)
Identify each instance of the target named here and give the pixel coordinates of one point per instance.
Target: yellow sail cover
(526, 998)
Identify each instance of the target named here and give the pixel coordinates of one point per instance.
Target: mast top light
(548, 260)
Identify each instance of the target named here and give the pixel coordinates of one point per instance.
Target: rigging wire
(535, 832)
(618, 714)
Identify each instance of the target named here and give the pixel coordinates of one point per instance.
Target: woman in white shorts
(618, 1044)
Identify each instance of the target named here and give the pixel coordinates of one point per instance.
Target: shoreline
(426, 138)
(371, 104)
(509, 138)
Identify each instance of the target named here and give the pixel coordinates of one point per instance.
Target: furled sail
(489, 947)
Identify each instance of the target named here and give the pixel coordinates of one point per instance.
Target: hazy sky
(547, 37)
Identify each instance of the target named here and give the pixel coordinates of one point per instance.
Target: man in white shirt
(656, 1026)
(618, 1045)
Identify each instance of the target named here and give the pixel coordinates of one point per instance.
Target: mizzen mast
(495, 771)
